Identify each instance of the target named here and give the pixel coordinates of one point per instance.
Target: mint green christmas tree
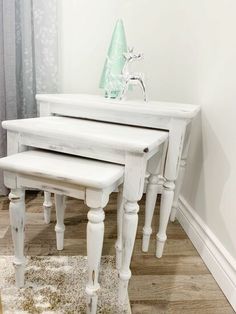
(111, 76)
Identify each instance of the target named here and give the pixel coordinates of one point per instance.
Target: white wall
(190, 56)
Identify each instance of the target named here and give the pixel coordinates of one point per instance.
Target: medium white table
(176, 118)
(130, 146)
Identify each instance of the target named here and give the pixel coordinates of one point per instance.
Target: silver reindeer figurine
(131, 79)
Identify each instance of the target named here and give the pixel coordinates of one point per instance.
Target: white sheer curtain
(28, 58)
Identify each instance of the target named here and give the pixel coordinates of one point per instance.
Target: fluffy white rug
(55, 284)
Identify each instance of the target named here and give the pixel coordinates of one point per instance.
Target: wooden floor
(179, 282)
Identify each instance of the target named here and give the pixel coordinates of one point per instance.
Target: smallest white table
(86, 179)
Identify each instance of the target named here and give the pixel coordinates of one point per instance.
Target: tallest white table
(172, 117)
(176, 118)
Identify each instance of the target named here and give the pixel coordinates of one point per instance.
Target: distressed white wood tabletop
(71, 101)
(95, 133)
(87, 172)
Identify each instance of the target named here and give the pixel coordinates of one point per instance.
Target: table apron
(134, 119)
(18, 142)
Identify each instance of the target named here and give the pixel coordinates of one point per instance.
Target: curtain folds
(28, 59)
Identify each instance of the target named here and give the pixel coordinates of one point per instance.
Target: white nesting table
(130, 146)
(176, 118)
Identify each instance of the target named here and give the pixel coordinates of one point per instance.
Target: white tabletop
(82, 171)
(161, 108)
(128, 138)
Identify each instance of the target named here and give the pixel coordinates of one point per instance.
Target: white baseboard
(218, 260)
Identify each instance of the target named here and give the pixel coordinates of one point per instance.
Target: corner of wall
(218, 260)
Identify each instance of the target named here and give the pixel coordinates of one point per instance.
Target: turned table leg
(130, 224)
(180, 178)
(17, 220)
(47, 207)
(165, 209)
(155, 185)
(95, 234)
(151, 197)
(179, 182)
(135, 170)
(173, 157)
(120, 213)
(60, 205)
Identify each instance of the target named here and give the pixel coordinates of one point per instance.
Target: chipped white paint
(151, 196)
(173, 157)
(60, 205)
(47, 207)
(82, 105)
(180, 179)
(91, 135)
(120, 213)
(17, 220)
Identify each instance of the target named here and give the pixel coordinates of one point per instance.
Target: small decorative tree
(111, 76)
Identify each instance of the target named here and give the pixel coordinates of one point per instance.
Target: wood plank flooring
(179, 282)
